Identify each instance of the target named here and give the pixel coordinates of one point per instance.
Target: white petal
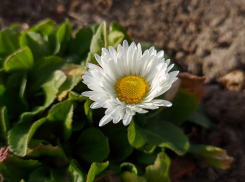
(116, 120)
(143, 111)
(139, 52)
(173, 73)
(113, 52)
(87, 73)
(106, 119)
(125, 47)
(89, 93)
(89, 79)
(95, 105)
(127, 119)
(160, 102)
(104, 50)
(141, 63)
(160, 54)
(151, 50)
(99, 97)
(167, 103)
(95, 86)
(119, 49)
(170, 67)
(130, 111)
(98, 58)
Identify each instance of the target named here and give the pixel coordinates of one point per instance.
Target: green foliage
(84, 35)
(4, 123)
(199, 117)
(119, 144)
(184, 105)
(159, 133)
(14, 169)
(88, 110)
(131, 177)
(37, 44)
(99, 41)
(50, 130)
(117, 35)
(20, 136)
(213, 155)
(159, 170)
(155, 136)
(9, 42)
(95, 169)
(75, 171)
(20, 60)
(92, 145)
(136, 137)
(37, 148)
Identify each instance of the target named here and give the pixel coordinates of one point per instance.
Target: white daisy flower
(127, 81)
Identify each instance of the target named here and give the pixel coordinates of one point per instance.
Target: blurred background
(204, 37)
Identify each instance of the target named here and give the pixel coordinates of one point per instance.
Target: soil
(204, 37)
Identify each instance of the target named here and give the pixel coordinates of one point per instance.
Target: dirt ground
(205, 37)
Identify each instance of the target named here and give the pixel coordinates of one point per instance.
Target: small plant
(50, 133)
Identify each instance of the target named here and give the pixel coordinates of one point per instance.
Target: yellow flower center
(131, 89)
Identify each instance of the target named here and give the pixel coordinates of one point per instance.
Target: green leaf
(14, 169)
(81, 43)
(96, 169)
(99, 41)
(9, 42)
(200, 118)
(52, 86)
(92, 145)
(73, 73)
(145, 158)
(117, 27)
(184, 104)
(75, 172)
(60, 116)
(129, 167)
(94, 28)
(20, 60)
(60, 175)
(136, 136)
(20, 135)
(43, 27)
(149, 148)
(159, 170)
(11, 95)
(88, 110)
(77, 97)
(38, 45)
(23, 89)
(28, 116)
(15, 26)
(61, 37)
(115, 38)
(42, 70)
(165, 134)
(215, 156)
(119, 145)
(44, 174)
(4, 123)
(36, 149)
(3, 89)
(41, 174)
(131, 177)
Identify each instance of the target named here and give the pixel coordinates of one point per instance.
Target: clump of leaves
(48, 131)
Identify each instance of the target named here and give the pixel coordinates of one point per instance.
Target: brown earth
(205, 37)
